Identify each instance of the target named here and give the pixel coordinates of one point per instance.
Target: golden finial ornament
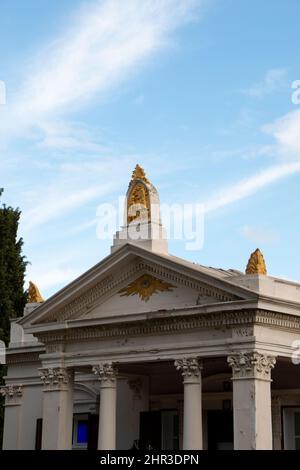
(139, 174)
(138, 199)
(34, 295)
(256, 263)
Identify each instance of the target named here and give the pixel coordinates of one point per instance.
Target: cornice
(173, 324)
(23, 357)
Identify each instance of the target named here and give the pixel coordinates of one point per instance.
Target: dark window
(38, 434)
(159, 430)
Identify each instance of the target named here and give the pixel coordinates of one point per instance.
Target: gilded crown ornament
(139, 174)
(34, 295)
(256, 263)
(138, 199)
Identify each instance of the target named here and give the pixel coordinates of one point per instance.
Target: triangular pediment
(133, 280)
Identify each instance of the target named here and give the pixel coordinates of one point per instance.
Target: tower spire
(142, 223)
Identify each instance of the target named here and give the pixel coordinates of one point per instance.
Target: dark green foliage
(12, 272)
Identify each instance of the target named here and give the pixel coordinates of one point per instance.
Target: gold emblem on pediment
(145, 286)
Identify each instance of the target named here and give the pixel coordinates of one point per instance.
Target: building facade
(146, 350)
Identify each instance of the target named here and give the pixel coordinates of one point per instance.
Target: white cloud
(286, 132)
(57, 203)
(75, 184)
(108, 41)
(52, 277)
(67, 136)
(260, 235)
(274, 80)
(286, 135)
(250, 186)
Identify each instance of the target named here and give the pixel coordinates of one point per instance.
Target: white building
(148, 349)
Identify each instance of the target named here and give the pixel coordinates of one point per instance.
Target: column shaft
(192, 407)
(57, 409)
(12, 416)
(252, 401)
(106, 373)
(107, 418)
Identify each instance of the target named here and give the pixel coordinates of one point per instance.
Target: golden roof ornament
(256, 263)
(34, 295)
(138, 198)
(139, 174)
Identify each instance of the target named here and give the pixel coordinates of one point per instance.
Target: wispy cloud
(249, 186)
(58, 273)
(70, 137)
(274, 80)
(286, 132)
(260, 235)
(75, 184)
(108, 41)
(286, 146)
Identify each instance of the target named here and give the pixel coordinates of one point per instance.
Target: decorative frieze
(12, 393)
(251, 365)
(55, 348)
(189, 367)
(242, 332)
(55, 378)
(174, 322)
(106, 372)
(21, 357)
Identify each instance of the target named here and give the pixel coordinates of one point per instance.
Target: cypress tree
(12, 272)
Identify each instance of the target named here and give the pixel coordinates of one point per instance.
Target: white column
(12, 416)
(192, 407)
(252, 400)
(276, 422)
(107, 375)
(57, 408)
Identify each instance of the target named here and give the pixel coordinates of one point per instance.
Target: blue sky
(197, 92)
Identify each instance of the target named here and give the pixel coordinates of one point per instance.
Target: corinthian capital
(11, 392)
(106, 372)
(55, 377)
(190, 368)
(251, 365)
